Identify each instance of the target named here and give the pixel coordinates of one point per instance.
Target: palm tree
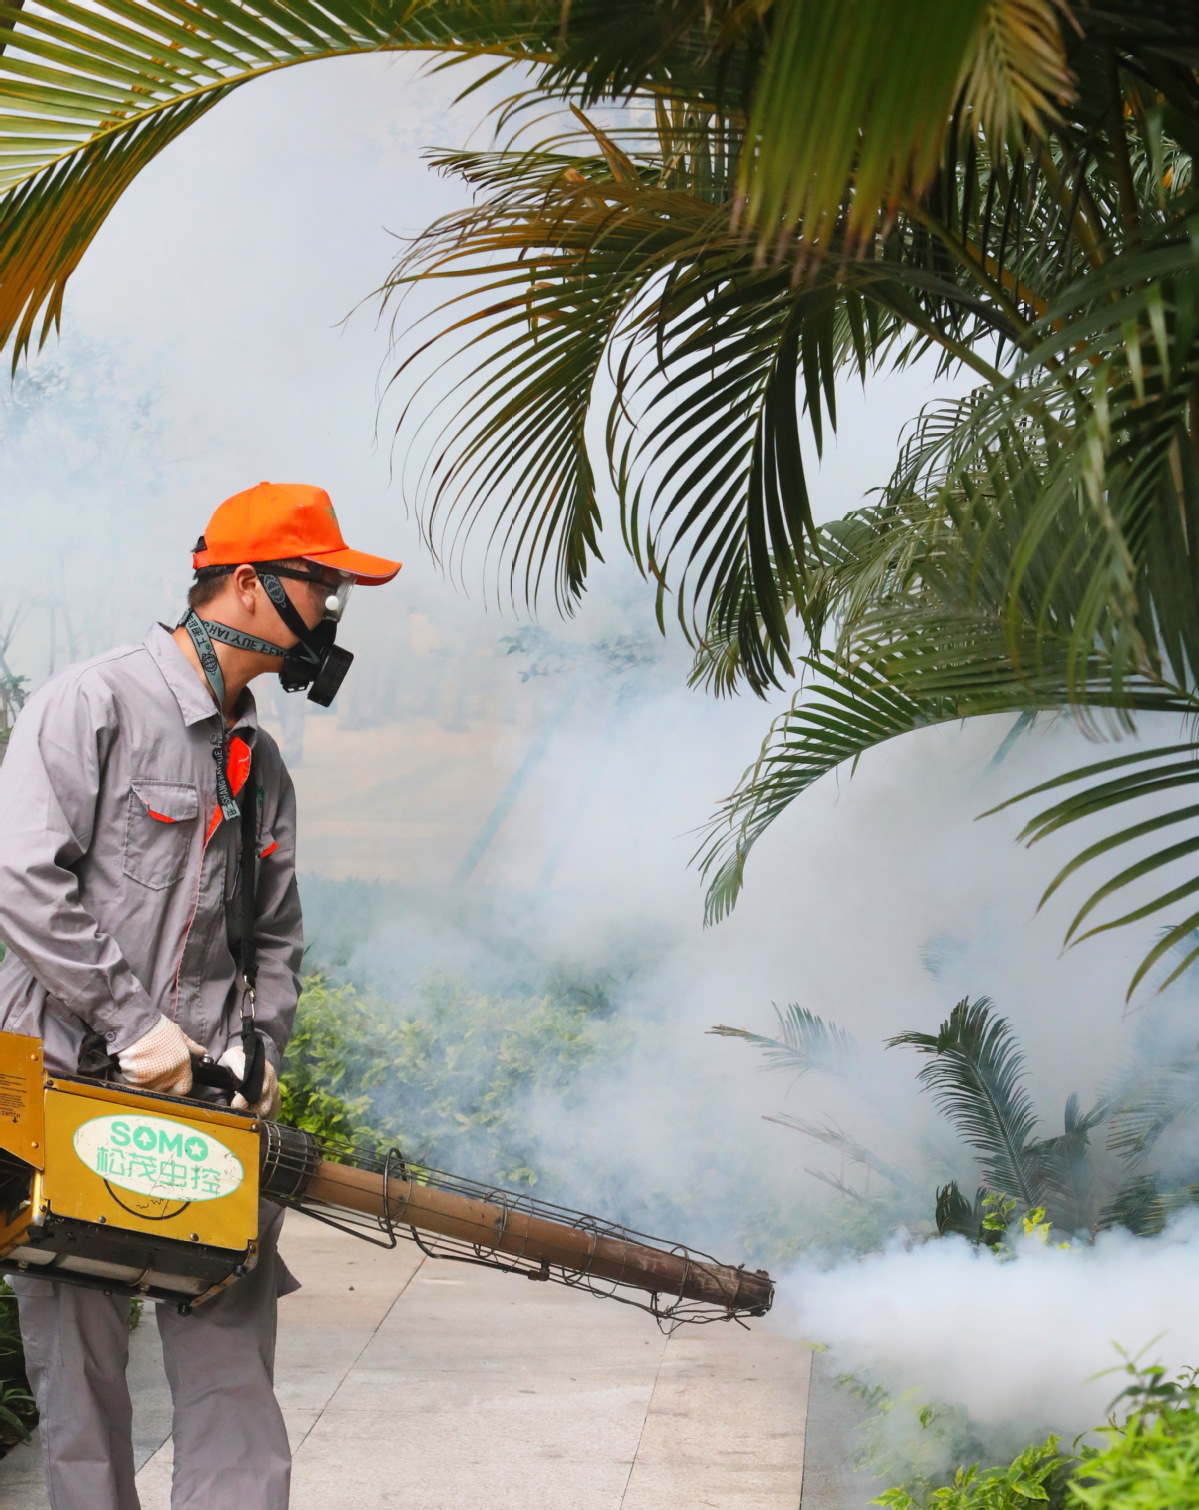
(977, 1078)
(745, 204)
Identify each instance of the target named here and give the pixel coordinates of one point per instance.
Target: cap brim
(367, 571)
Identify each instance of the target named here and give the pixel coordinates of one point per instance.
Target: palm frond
(845, 713)
(1035, 551)
(1105, 786)
(1159, 1099)
(719, 364)
(804, 1042)
(896, 71)
(941, 671)
(1065, 1169)
(847, 1146)
(976, 1078)
(1137, 1205)
(957, 1216)
(549, 267)
(576, 259)
(90, 94)
(1019, 75)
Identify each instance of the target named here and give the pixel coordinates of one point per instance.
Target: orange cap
(278, 520)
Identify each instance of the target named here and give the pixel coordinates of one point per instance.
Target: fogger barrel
(484, 1224)
(138, 1193)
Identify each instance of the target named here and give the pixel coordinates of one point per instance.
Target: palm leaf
(1157, 1100)
(845, 714)
(1137, 1205)
(976, 1078)
(804, 1042)
(1066, 1170)
(1106, 786)
(848, 1147)
(866, 97)
(549, 268)
(90, 94)
(957, 1216)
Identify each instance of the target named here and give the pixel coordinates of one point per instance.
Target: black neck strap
(243, 943)
(245, 946)
(287, 611)
(201, 637)
(202, 633)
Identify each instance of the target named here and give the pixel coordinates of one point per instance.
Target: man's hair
(210, 582)
(209, 585)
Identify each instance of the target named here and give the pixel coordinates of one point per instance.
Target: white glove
(267, 1105)
(160, 1060)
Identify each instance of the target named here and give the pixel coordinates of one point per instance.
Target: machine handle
(206, 1071)
(255, 1076)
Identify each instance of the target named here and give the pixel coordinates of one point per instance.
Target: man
(123, 821)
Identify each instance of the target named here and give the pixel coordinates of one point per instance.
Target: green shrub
(443, 1075)
(334, 1030)
(18, 1413)
(1039, 1476)
(1151, 1461)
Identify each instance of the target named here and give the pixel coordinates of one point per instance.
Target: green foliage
(18, 1413)
(976, 1077)
(804, 1042)
(908, 1443)
(1150, 1463)
(976, 1074)
(1036, 1477)
(336, 1039)
(1151, 1460)
(442, 1075)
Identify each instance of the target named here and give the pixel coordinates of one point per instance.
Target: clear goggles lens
(337, 595)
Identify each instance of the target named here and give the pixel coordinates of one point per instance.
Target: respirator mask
(315, 661)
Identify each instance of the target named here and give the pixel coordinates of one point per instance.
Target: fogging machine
(142, 1194)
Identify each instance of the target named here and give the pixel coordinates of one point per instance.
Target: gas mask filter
(316, 663)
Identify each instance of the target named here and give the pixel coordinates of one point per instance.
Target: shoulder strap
(246, 954)
(247, 949)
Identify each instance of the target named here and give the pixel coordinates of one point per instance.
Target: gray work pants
(231, 1449)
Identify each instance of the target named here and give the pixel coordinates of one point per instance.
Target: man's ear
(245, 585)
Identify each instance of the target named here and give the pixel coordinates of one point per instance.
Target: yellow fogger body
(125, 1190)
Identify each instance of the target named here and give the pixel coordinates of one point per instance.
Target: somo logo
(155, 1157)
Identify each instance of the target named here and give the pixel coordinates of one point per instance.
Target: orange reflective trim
(162, 817)
(269, 850)
(237, 765)
(237, 768)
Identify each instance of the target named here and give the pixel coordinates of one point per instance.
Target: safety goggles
(336, 585)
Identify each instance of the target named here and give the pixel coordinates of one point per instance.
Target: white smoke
(1028, 1343)
(225, 274)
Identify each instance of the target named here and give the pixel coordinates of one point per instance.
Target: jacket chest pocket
(159, 831)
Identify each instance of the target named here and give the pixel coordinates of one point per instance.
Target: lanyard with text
(244, 943)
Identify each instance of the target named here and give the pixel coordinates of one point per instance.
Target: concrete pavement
(420, 1385)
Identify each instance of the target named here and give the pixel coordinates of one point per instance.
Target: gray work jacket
(113, 900)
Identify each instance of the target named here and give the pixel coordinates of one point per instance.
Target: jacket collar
(195, 701)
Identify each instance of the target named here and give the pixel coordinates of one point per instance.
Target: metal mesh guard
(288, 1159)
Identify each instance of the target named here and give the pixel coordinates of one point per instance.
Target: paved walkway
(417, 1385)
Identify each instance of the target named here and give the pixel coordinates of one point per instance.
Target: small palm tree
(977, 1078)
